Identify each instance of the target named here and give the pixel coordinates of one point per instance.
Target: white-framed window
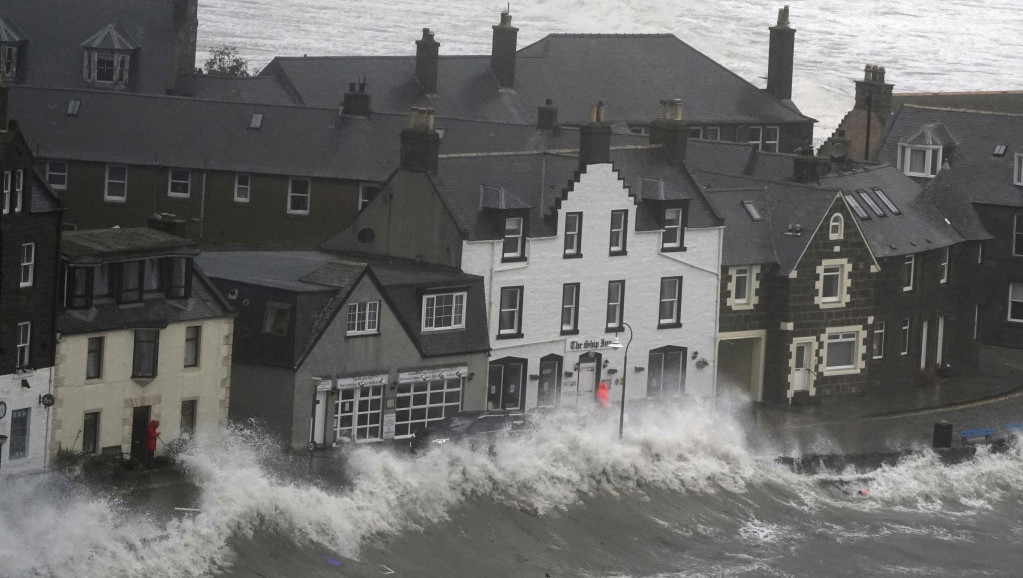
(771, 138)
(276, 318)
(514, 245)
(193, 345)
(615, 304)
(56, 174)
(7, 192)
(1017, 171)
(19, 186)
(424, 403)
(905, 336)
(116, 184)
(363, 318)
(671, 238)
(146, 353)
(573, 234)
(8, 61)
(877, 345)
(242, 188)
(836, 227)
(1017, 236)
(444, 311)
(919, 161)
(752, 211)
(866, 198)
(570, 308)
(712, 133)
(1015, 301)
(509, 321)
(908, 269)
(367, 192)
(831, 283)
(887, 202)
(298, 196)
(842, 350)
(619, 231)
(670, 310)
(696, 132)
(980, 253)
(944, 265)
(106, 67)
(741, 280)
(28, 264)
(756, 135)
(179, 183)
(856, 207)
(94, 358)
(23, 354)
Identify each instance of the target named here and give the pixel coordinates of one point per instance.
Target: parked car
(477, 428)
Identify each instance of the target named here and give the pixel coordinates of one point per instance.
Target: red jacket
(602, 399)
(151, 435)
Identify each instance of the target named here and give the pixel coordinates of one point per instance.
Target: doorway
(506, 383)
(139, 424)
(357, 413)
(923, 345)
(548, 391)
(802, 370)
(319, 417)
(589, 374)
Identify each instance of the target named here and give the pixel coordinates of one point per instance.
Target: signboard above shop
(362, 381)
(433, 374)
(591, 344)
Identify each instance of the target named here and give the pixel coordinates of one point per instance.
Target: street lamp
(617, 344)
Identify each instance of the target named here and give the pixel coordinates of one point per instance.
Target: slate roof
(246, 89)
(572, 69)
(991, 101)
(976, 172)
(102, 245)
(43, 199)
(55, 31)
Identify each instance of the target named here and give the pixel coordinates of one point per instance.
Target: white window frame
(52, 172)
(7, 192)
(696, 132)
(743, 297)
(910, 262)
(112, 198)
(906, 335)
(675, 228)
(28, 265)
(836, 227)
(842, 335)
(120, 67)
(364, 198)
(515, 310)
(756, 142)
(1019, 299)
(770, 145)
(366, 313)
(429, 323)
(1017, 172)
(844, 283)
(19, 187)
(514, 231)
(1017, 235)
(269, 318)
(712, 130)
(23, 352)
(944, 265)
(836, 271)
(242, 192)
(574, 236)
(175, 183)
(570, 305)
(294, 195)
(8, 61)
(674, 298)
(904, 160)
(618, 305)
(619, 245)
(878, 338)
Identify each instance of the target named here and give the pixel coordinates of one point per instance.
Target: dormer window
(836, 226)
(107, 57)
(918, 161)
(514, 240)
(8, 61)
(1017, 172)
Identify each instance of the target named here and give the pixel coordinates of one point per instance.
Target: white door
(802, 377)
(923, 345)
(587, 381)
(941, 341)
(319, 417)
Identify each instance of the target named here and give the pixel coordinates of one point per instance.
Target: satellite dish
(839, 151)
(47, 400)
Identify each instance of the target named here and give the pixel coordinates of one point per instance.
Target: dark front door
(548, 391)
(506, 383)
(139, 423)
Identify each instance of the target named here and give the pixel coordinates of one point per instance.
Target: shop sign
(433, 374)
(589, 344)
(362, 381)
(324, 385)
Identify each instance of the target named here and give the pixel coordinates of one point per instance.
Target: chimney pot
(595, 139)
(547, 116)
(502, 54)
(356, 101)
(780, 57)
(669, 129)
(427, 62)
(420, 144)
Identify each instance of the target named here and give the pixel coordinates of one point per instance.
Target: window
(919, 161)
(28, 264)
(755, 136)
(19, 185)
(145, 354)
(94, 358)
(509, 322)
(671, 238)
(877, 345)
(180, 278)
(887, 202)
(421, 404)
(107, 67)
(90, 433)
(752, 211)
(193, 345)
(670, 309)
(866, 198)
(770, 139)
(188, 411)
(907, 272)
(357, 413)
(666, 372)
(152, 280)
(1017, 172)
(444, 311)
(570, 308)
(999, 151)
(514, 240)
(619, 231)
(856, 207)
(242, 188)
(7, 192)
(367, 192)
(363, 318)
(573, 234)
(696, 132)
(905, 337)
(73, 106)
(980, 253)
(505, 383)
(256, 121)
(836, 226)
(841, 350)
(741, 280)
(1015, 301)
(615, 304)
(276, 318)
(117, 184)
(831, 283)
(179, 183)
(1017, 236)
(77, 288)
(19, 433)
(944, 265)
(100, 280)
(712, 133)
(298, 197)
(56, 174)
(23, 354)
(8, 62)
(131, 282)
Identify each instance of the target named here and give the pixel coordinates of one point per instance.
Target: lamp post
(3, 440)
(617, 344)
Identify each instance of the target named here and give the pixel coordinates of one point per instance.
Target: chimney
(873, 93)
(502, 54)
(547, 116)
(595, 139)
(779, 59)
(670, 130)
(168, 223)
(356, 101)
(420, 144)
(427, 59)
(807, 168)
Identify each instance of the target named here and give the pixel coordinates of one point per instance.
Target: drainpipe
(202, 206)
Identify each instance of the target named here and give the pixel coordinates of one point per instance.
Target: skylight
(999, 151)
(856, 207)
(887, 202)
(72, 107)
(753, 212)
(256, 121)
(865, 197)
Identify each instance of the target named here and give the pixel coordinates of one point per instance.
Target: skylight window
(256, 122)
(999, 151)
(856, 207)
(72, 107)
(887, 202)
(866, 198)
(752, 210)
(652, 188)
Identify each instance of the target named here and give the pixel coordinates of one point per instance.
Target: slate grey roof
(991, 101)
(102, 245)
(111, 37)
(43, 199)
(572, 69)
(9, 32)
(976, 172)
(246, 89)
(955, 206)
(289, 270)
(55, 30)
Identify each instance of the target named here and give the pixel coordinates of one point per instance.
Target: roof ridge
(963, 110)
(963, 93)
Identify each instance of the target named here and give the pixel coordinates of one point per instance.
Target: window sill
(570, 331)
(907, 289)
(621, 253)
(115, 201)
(440, 329)
(841, 371)
(143, 381)
(572, 256)
(241, 203)
(618, 329)
(179, 199)
(521, 259)
(362, 334)
(673, 325)
(191, 369)
(674, 249)
(298, 216)
(509, 335)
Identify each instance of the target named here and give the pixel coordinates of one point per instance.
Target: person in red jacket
(151, 436)
(602, 399)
